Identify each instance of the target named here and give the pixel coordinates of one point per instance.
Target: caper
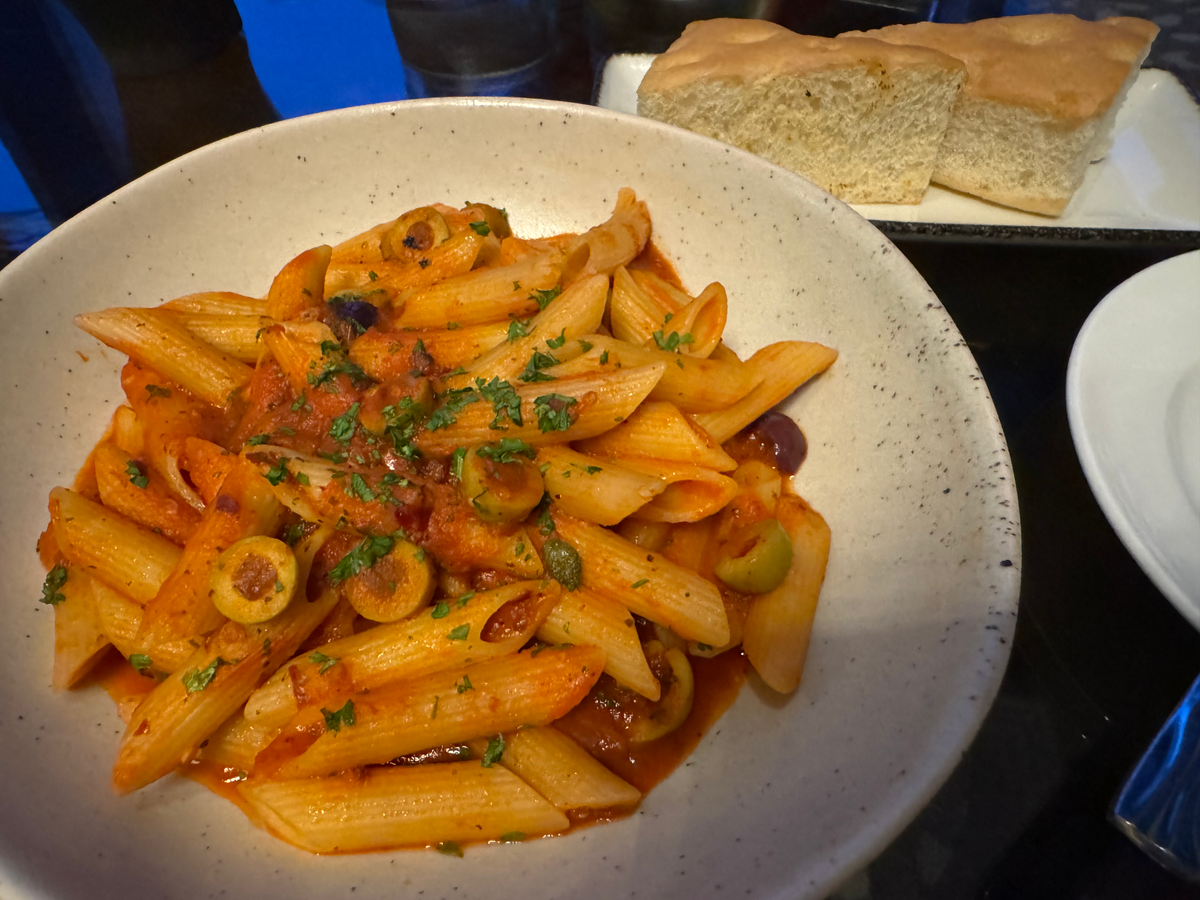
(563, 563)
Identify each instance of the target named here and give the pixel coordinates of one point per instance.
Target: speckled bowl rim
(962, 721)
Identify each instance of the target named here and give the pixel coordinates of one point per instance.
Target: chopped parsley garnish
(293, 532)
(506, 450)
(433, 712)
(366, 554)
(668, 317)
(360, 488)
(55, 579)
(195, 680)
(545, 522)
(300, 403)
(555, 343)
(456, 461)
(604, 358)
(255, 439)
(140, 662)
(537, 362)
(335, 720)
(337, 364)
(453, 326)
(450, 848)
(465, 685)
(554, 412)
(460, 633)
(372, 275)
(543, 298)
(323, 662)
(277, 472)
(504, 400)
(592, 470)
(640, 582)
(136, 475)
(517, 330)
(401, 426)
(480, 228)
(672, 341)
(465, 598)
(495, 749)
(585, 346)
(441, 610)
(703, 647)
(342, 428)
(155, 391)
(453, 402)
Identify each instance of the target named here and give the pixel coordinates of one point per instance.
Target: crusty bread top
(750, 50)
(1060, 65)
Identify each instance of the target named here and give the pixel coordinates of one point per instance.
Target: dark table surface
(96, 92)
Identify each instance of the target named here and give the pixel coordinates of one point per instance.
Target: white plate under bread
(1149, 180)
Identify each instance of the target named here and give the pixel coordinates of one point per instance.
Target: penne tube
(236, 743)
(403, 805)
(530, 688)
(453, 257)
(406, 649)
(218, 303)
(384, 354)
(562, 771)
(128, 433)
(586, 617)
(154, 338)
(778, 369)
(206, 464)
(601, 491)
(779, 624)
(297, 347)
(483, 295)
(121, 617)
(647, 583)
(601, 399)
(362, 247)
(141, 494)
(658, 430)
(168, 726)
(234, 335)
(634, 315)
(300, 285)
(125, 556)
(692, 384)
(183, 608)
(620, 239)
(704, 319)
(79, 638)
(577, 312)
(691, 494)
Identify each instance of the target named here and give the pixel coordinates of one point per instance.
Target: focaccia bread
(861, 118)
(1039, 102)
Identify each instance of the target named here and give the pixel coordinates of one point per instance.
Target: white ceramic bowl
(907, 462)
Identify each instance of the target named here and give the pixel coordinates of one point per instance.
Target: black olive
(784, 437)
(360, 312)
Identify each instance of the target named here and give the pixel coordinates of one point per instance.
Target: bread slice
(1039, 103)
(861, 118)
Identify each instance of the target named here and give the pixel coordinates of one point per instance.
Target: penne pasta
(234, 335)
(394, 807)
(658, 430)
(529, 688)
(155, 339)
(300, 285)
(691, 493)
(484, 295)
(779, 624)
(218, 303)
(586, 617)
(778, 370)
(141, 494)
(562, 771)
(78, 636)
(108, 546)
(647, 583)
(622, 237)
(601, 491)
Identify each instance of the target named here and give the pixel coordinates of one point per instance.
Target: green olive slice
(501, 487)
(757, 559)
(674, 706)
(413, 233)
(254, 580)
(396, 586)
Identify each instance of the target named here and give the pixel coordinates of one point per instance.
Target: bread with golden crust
(861, 118)
(1041, 96)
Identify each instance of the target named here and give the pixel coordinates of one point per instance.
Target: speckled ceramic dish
(907, 461)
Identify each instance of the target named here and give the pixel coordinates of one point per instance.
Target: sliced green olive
(396, 586)
(675, 705)
(757, 559)
(254, 580)
(497, 219)
(502, 487)
(400, 402)
(414, 232)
